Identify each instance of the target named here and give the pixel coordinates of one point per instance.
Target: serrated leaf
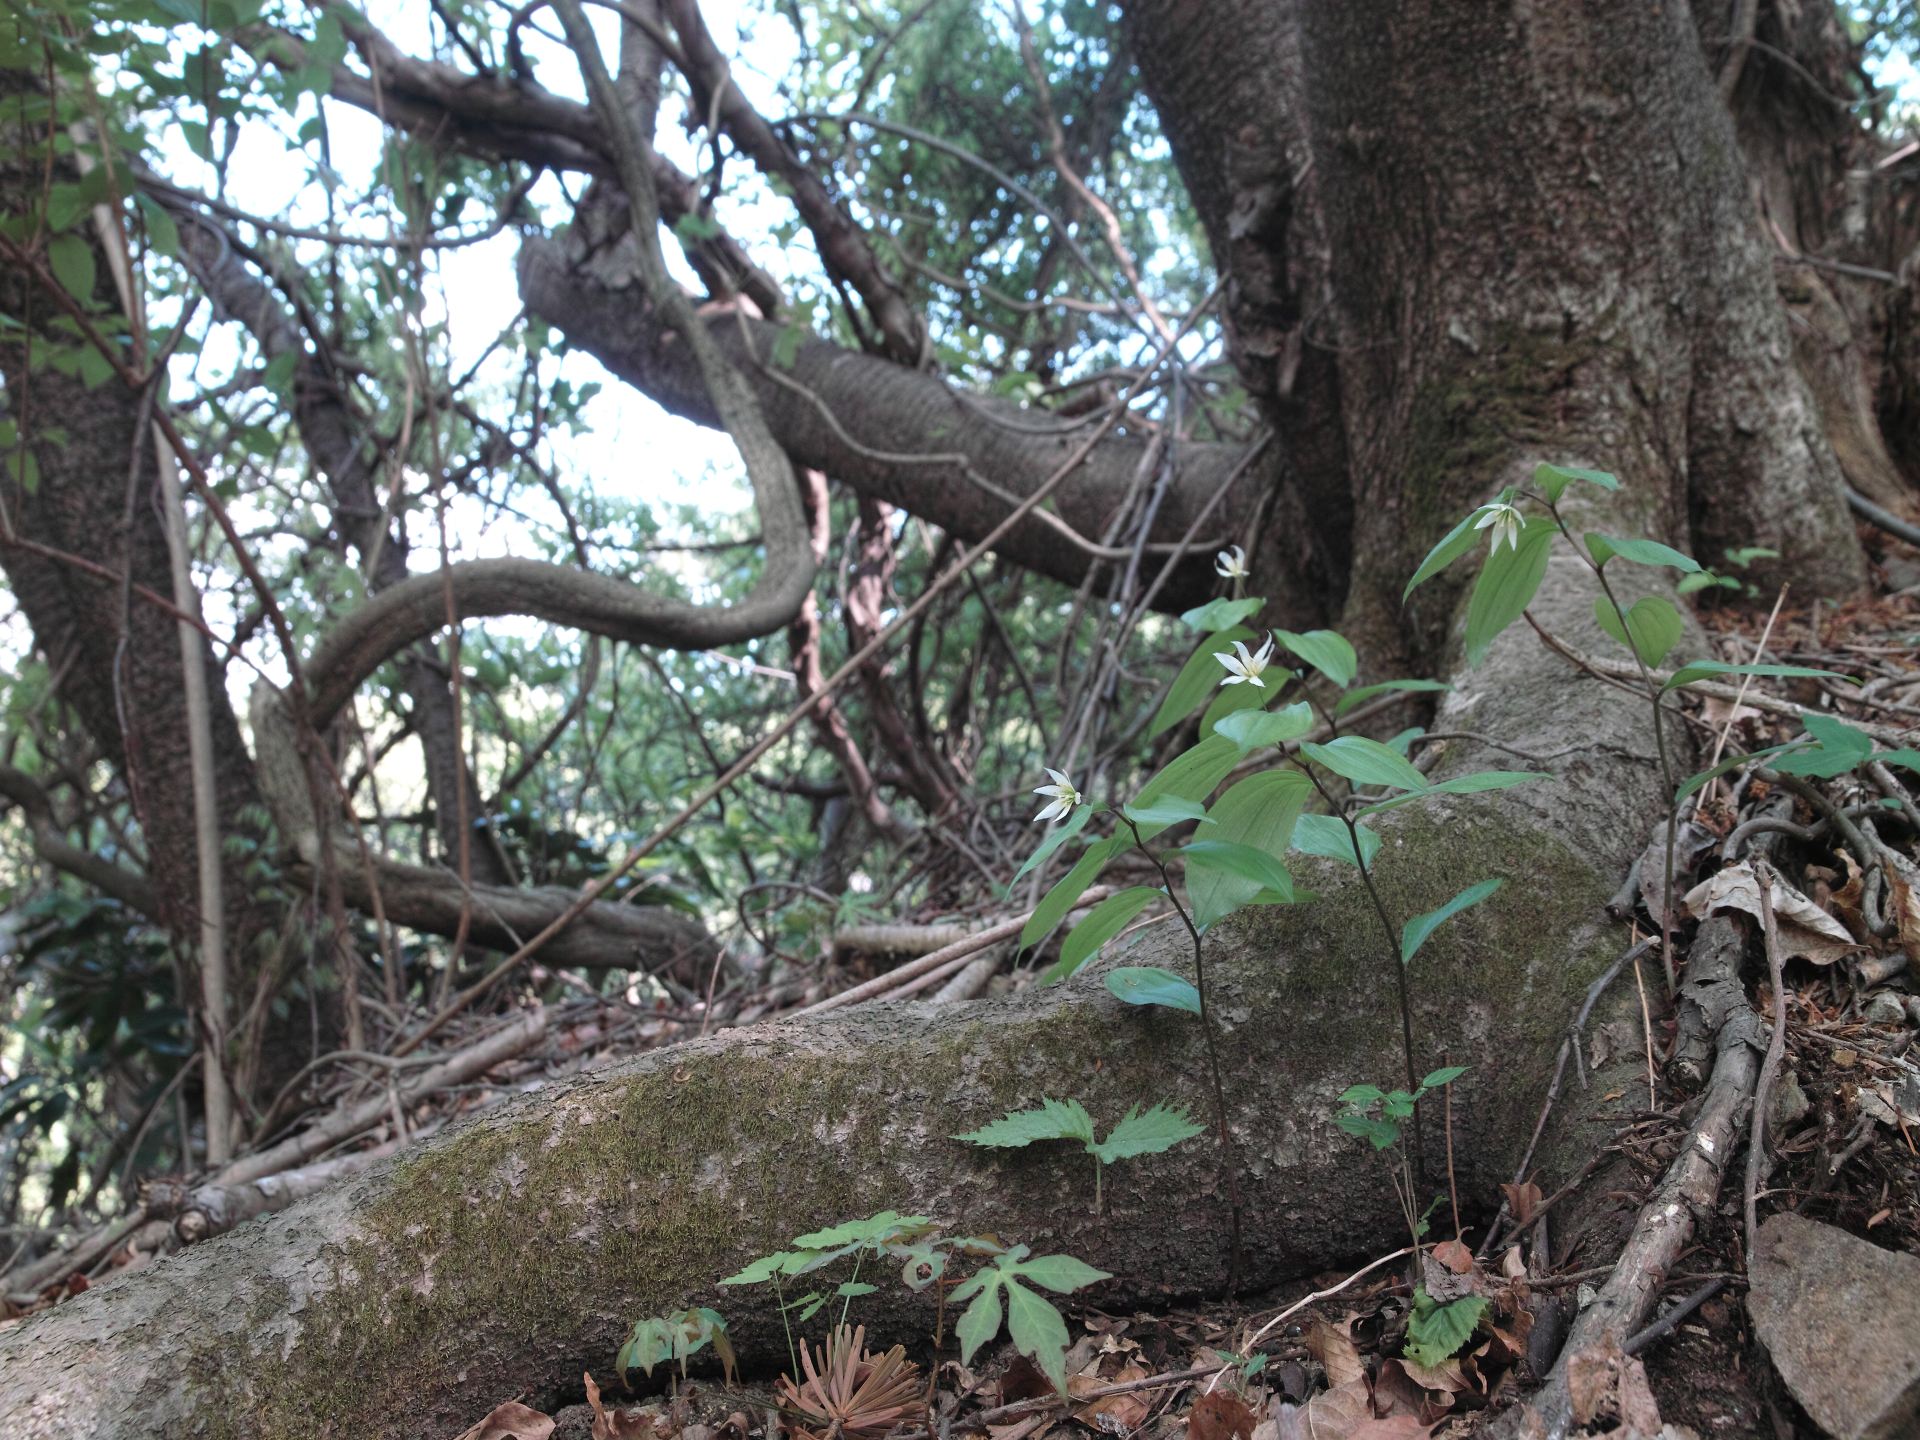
(1366, 692)
(1327, 837)
(1436, 1334)
(1150, 985)
(1418, 930)
(1366, 762)
(1507, 584)
(887, 1224)
(1222, 614)
(1362, 1095)
(1261, 811)
(1653, 626)
(1102, 923)
(1255, 866)
(1197, 679)
(1641, 552)
(1140, 1132)
(1707, 669)
(70, 258)
(1055, 904)
(980, 1321)
(853, 1289)
(1038, 1332)
(1049, 1120)
(1326, 651)
(1455, 543)
(1252, 730)
(761, 1270)
(1062, 1274)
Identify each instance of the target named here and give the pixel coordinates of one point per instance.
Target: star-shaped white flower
(1505, 521)
(1244, 668)
(1231, 564)
(1063, 797)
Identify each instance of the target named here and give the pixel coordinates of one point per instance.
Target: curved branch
(129, 887)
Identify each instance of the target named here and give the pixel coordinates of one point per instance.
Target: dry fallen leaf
(1335, 1351)
(1220, 1415)
(616, 1424)
(511, 1421)
(1522, 1200)
(1590, 1379)
(1639, 1415)
(1335, 1414)
(1805, 929)
(1114, 1414)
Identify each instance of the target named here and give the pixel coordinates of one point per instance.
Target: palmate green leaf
(1102, 923)
(1641, 552)
(1366, 692)
(1055, 838)
(1477, 783)
(1416, 931)
(1222, 614)
(1055, 904)
(1253, 865)
(1552, 480)
(1840, 748)
(1196, 680)
(1707, 669)
(980, 1321)
(1260, 811)
(1366, 762)
(1150, 985)
(1061, 1274)
(1327, 837)
(1139, 1132)
(1038, 1332)
(1190, 775)
(875, 1229)
(1455, 543)
(763, 1269)
(1507, 584)
(1326, 651)
(1252, 730)
(1049, 1120)
(1653, 626)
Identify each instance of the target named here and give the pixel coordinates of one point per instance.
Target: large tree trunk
(1460, 239)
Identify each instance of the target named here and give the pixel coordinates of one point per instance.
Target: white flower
(1063, 797)
(1245, 668)
(1231, 564)
(1506, 521)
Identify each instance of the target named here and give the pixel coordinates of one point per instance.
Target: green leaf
(163, 235)
(70, 258)
(279, 373)
(1455, 543)
(1055, 904)
(1255, 866)
(1252, 730)
(1231, 700)
(1038, 1332)
(1366, 692)
(762, 1270)
(1191, 775)
(1063, 1274)
(1476, 783)
(1049, 1120)
(980, 1322)
(1168, 811)
(853, 1289)
(1841, 748)
(887, 1225)
(1507, 584)
(1641, 552)
(1653, 626)
(1366, 762)
(1150, 985)
(1443, 1077)
(1382, 1134)
(1260, 811)
(1056, 837)
(1436, 1332)
(786, 346)
(1416, 931)
(1197, 679)
(1139, 1133)
(1222, 614)
(1554, 479)
(1707, 669)
(1326, 836)
(1325, 651)
(1103, 922)
(1732, 762)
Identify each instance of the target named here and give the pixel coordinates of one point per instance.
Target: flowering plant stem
(1228, 1163)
